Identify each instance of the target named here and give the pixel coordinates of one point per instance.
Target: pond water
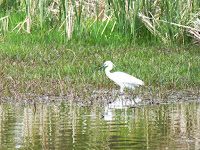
(58, 123)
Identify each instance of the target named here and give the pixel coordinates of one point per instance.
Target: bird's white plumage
(121, 78)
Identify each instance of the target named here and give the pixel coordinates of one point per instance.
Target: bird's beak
(102, 66)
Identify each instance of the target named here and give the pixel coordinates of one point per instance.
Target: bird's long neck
(107, 70)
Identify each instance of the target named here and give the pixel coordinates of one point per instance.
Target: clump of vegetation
(101, 21)
(56, 70)
(56, 47)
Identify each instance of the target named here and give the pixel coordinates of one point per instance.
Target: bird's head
(107, 64)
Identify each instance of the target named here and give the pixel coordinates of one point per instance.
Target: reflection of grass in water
(167, 120)
(54, 69)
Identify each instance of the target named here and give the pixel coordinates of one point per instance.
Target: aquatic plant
(100, 21)
(55, 69)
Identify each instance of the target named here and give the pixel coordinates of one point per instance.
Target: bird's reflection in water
(120, 103)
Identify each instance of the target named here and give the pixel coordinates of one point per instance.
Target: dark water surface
(63, 124)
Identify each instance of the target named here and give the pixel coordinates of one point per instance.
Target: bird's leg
(121, 89)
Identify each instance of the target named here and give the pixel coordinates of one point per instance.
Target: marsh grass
(100, 21)
(56, 47)
(52, 69)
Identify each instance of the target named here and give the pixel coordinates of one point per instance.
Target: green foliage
(130, 21)
(44, 66)
(50, 44)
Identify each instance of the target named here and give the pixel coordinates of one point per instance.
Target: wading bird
(121, 78)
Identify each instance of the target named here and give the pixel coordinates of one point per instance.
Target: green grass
(54, 68)
(147, 39)
(129, 21)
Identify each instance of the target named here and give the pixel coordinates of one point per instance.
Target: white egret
(121, 78)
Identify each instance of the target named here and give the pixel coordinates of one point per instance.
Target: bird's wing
(121, 77)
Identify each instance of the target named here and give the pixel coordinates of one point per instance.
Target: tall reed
(168, 21)
(3, 27)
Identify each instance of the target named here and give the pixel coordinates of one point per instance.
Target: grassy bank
(39, 68)
(56, 47)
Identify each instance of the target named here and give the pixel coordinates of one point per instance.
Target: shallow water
(58, 123)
